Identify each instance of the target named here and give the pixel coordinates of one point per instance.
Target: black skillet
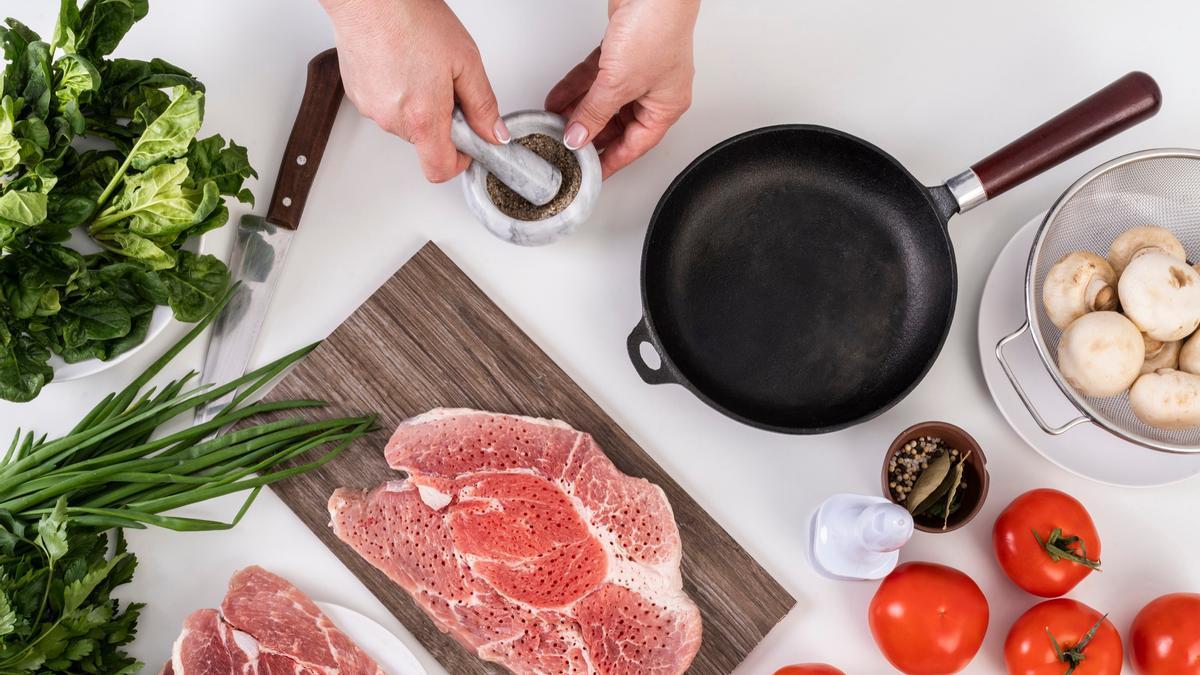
(799, 279)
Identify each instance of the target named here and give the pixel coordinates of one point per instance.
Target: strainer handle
(1012, 378)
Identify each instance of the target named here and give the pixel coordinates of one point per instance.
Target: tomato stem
(1059, 547)
(1073, 656)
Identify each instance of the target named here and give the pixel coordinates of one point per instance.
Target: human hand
(626, 94)
(403, 64)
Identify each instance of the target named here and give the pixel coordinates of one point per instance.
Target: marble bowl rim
(547, 230)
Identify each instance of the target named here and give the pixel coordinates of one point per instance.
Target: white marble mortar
(548, 230)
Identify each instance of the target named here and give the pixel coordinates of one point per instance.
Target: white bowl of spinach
(105, 188)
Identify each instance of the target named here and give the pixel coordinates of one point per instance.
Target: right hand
(404, 62)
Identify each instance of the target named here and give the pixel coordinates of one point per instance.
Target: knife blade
(262, 242)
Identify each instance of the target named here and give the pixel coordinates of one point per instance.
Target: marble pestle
(513, 164)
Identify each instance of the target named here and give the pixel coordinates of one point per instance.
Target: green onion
(114, 468)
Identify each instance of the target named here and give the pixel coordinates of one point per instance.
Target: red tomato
(1165, 636)
(1029, 649)
(809, 669)
(1046, 542)
(928, 619)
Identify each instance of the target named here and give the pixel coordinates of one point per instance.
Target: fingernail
(501, 131)
(576, 136)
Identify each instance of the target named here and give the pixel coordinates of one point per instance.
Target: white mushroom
(1079, 283)
(1130, 243)
(1161, 294)
(1101, 354)
(1167, 399)
(1189, 355)
(1160, 354)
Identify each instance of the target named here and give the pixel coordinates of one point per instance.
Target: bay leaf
(928, 482)
(958, 474)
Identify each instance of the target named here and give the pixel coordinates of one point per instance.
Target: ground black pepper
(514, 205)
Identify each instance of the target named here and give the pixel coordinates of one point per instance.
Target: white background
(938, 83)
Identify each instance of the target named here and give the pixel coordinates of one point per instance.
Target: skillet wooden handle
(1122, 104)
(306, 144)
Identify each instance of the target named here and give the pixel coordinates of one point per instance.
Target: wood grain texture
(1126, 102)
(323, 93)
(428, 338)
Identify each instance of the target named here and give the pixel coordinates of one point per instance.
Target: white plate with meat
(389, 651)
(265, 625)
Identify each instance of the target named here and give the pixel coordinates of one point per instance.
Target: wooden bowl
(975, 472)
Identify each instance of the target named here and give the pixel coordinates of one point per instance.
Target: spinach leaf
(15, 38)
(85, 351)
(217, 218)
(33, 130)
(23, 208)
(39, 78)
(96, 168)
(146, 285)
(18, 211)
(59, 264)
(170, 133)
(99, 317)
(149, 285)
(24, 367)
(104, 22)
(31, 293)
(228, 167)
(76, 77)
(126, 79)
(157, 205)
(24, 294)
(151, 103)
(66, 29)
(65, 211)
(137, 247)
(135, 336)
(10, 147)
(194, 285)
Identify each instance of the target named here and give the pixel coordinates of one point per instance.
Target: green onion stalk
(110, 470)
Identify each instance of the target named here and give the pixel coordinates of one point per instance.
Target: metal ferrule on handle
(513, 164)
(1012, 378)
(967, 190)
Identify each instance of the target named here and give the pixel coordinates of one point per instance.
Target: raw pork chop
(520, 538)
(265, 626)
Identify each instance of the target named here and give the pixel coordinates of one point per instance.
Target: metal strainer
(1152, 187)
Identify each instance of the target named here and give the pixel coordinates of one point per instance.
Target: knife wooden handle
(302, 156)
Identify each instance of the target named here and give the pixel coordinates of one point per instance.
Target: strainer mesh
(1159, 188)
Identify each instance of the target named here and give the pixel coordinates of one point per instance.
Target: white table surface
(938, 83)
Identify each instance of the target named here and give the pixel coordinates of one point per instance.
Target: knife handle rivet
(301, 160)
(286, 201)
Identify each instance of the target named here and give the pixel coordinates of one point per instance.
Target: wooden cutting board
(430, 338)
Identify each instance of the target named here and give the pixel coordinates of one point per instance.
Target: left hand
(626, 94)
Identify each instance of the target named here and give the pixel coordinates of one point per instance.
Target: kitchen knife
(262, 242)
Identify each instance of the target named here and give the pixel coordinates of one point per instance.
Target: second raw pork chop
(520, 538)
(266, 626)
